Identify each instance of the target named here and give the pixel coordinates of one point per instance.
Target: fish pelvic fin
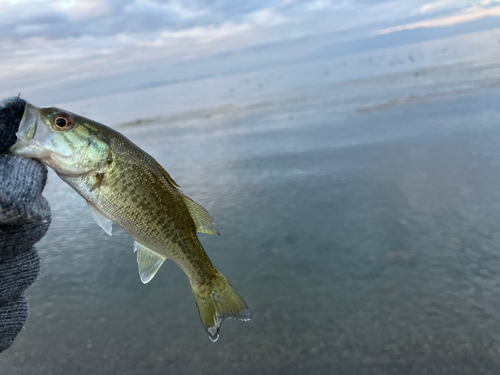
(148, 262)
(217, 303)
(202, 219)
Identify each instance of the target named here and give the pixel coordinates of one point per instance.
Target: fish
(122, 184)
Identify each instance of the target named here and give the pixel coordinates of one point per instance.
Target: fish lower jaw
(29, 149)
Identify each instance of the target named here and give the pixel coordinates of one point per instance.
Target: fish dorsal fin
(202, 219)
(167, 176)
(149, 262)
(101, 220)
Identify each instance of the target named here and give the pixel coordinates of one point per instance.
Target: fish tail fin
(217, 303)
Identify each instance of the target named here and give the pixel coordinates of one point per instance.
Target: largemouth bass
(123, 184)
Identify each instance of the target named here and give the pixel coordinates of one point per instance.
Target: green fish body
(123, 184)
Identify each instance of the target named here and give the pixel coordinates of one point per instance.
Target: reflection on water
(363, 241)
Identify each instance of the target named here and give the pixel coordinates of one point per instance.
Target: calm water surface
(364, 237)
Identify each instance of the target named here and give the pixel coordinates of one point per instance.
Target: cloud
(468, 15)
(57, 19)
(84, 10)
(266, 17)
(435, 6)
(175, 8)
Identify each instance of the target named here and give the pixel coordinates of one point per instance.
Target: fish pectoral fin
(100, 219)
(149, 262)
(202, 219)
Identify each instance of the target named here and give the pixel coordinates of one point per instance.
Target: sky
(73, 49)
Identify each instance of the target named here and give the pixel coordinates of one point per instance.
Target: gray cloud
(30, 19)
(49, 19)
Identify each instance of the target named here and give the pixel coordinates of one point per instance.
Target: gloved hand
(24, 220)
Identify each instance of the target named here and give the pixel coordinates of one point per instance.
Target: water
(360, 221)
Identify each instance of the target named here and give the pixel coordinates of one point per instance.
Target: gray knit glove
(24, 220)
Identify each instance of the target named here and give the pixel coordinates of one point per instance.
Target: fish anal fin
(148, 261)
(100, 219)
(202, 219)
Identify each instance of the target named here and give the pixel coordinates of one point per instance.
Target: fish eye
(63, 121)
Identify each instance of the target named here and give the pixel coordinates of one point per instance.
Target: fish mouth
(27, 126)
(32, 134)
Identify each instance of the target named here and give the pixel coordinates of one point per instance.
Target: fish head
(60, 139)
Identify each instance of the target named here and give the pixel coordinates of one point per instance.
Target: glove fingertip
(11, 112)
